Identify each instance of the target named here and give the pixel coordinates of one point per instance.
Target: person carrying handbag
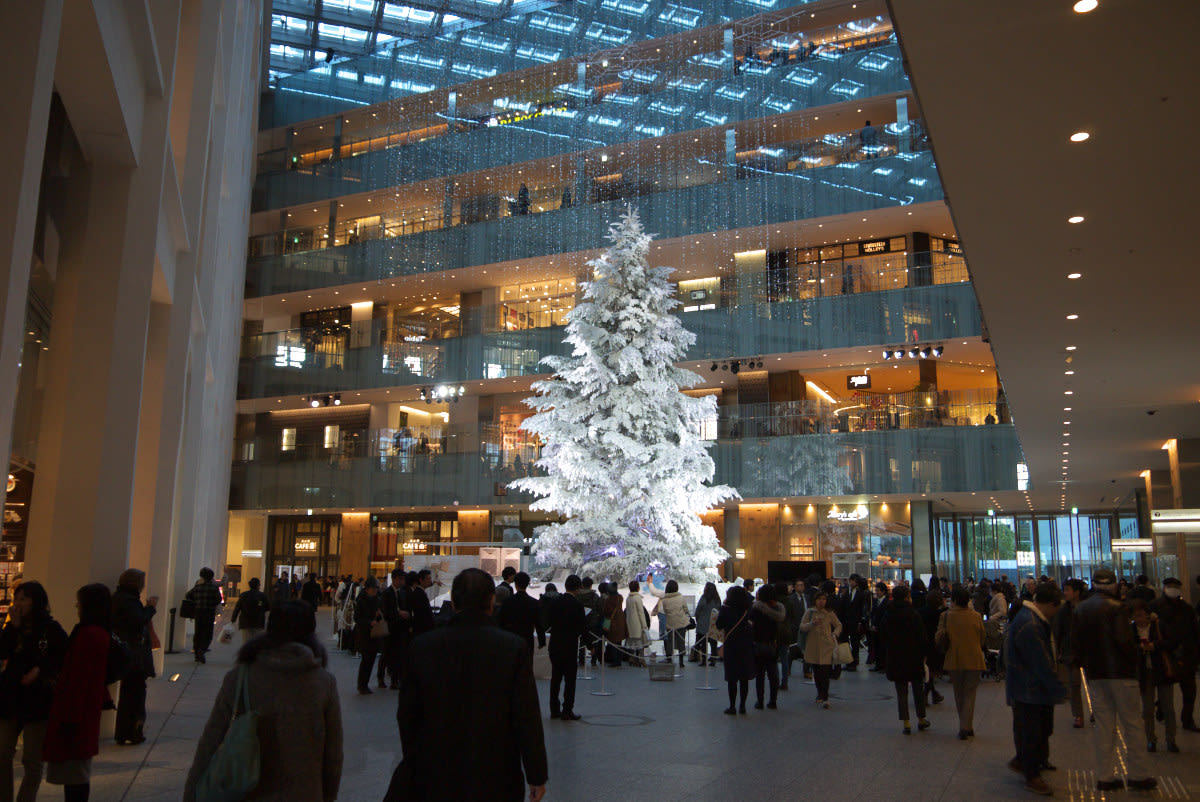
(822, 628)
(1157, 674)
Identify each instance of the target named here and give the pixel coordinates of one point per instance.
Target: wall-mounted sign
(307, 545)
(862, 381)
(413, 545)
(880, 246)
(1133, 544)
(698, 295)
(856, 514)
(1174, 521)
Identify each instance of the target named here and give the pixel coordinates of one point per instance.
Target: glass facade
(1059, 546)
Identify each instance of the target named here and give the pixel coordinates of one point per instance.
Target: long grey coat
(299, 729)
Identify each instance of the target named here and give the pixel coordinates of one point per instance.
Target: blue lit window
(542, 54)
(608, 33)
(630, 8)
(664, 108)
(711, 119)
(875, 62)
(481, 41)
(847, 88)
(802, 76)
(729, 93)
(688, 85)
(650, 130)
(554, 23)
(680, 16)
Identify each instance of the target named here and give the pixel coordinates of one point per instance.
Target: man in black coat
(310, 591)
(250, 612)
(1177, 621)
(853, 615)
(418, 603)
(468, 714)
(520, 614)
(568, 622)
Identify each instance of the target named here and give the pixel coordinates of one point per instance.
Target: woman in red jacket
(73, 730)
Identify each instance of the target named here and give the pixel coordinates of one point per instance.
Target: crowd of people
(1112, 651)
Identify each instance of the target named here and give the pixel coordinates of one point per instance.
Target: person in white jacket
(637, 621)
(672, 605)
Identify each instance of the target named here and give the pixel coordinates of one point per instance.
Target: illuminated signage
(413, 545)
(874, 247)
(860, 382)
(1133, 544)
(509, 119)
(307, 544)
(856, 514)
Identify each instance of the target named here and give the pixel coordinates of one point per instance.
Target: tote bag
(233, 771)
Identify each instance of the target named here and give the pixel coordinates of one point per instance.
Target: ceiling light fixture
(1084, 6)
(1080, 136)
(1072, 317)
(1074, 275)
(1074, 219)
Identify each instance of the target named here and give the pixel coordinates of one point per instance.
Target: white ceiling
(1002, 87)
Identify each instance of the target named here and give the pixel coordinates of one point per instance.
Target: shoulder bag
(234, 769)
(187, 608)
(722, 635)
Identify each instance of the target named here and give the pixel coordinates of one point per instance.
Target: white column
(28, 50)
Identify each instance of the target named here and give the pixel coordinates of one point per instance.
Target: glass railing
(441, 146)
(300, 361)
(620, 182)
(713, 200)
(916, 460)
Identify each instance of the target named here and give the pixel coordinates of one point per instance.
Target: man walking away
(207, 598)
(520, 615)
(568, 622)
(470, 726)
(1032, 686)
(1107, 651)
(250, 612)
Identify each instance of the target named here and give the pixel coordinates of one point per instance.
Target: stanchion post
(587, 659)
(707, 686)
(170, 632)
(603, 665)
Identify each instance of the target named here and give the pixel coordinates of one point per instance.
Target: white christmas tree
(623, 457)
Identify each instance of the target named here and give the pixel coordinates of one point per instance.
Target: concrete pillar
(28, 51)
(921, 515)
(84, 496)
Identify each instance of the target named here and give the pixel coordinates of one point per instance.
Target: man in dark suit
(568, 622)
(418, 602)
(520, 614)
(464, 681)
(857, 603)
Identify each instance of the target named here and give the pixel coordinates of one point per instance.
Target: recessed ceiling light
(1084, 6)
(1078, 218)
(1070, 348)
(1074, 275)
(1069, 373)
(1072, 317)
(1068, 392)
(1080, 136)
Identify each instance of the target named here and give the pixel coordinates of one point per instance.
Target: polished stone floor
(669, 741)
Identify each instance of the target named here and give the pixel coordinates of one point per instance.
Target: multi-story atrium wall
(423, 215)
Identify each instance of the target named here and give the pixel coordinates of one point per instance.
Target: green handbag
(233, 771)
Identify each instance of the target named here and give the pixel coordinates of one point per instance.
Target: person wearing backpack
(32, 646)
(131, 623)
(73, 727)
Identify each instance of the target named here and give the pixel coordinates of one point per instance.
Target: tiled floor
(669, 741)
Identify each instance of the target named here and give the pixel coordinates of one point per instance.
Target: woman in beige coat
(823, 628)
(296, 699)
(636, 619)
(960, 631)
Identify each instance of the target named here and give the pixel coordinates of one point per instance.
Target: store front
(304, 545)
(395, 536)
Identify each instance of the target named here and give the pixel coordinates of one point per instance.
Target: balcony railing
(299, 361)
(437, 145)
(928, 459)
(709, 197)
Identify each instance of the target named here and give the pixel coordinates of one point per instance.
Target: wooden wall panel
(759, 526)
(356, 543)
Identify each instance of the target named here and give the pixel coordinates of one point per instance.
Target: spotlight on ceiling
(887, 355)
(735, 367)
(724, 366)
(714, 367)
(937, 350)
(337, 399)
(314, 402)
(914, 353)
(327, 400)
(925, 352)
